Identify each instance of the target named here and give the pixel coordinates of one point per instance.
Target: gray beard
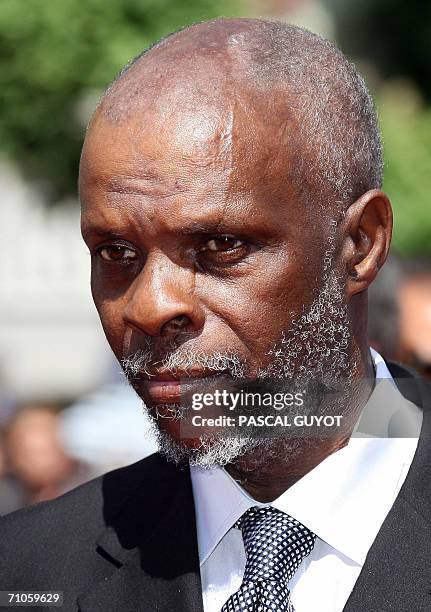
(316, 346)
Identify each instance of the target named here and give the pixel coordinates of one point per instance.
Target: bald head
(276, 71)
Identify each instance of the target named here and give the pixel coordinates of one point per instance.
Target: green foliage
(55, 53)
(407, 144)
(394, 38)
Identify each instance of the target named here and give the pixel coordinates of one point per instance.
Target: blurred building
(51, 341)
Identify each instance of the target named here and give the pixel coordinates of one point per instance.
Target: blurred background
(66, 414)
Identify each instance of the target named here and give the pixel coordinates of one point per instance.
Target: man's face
(199, 243)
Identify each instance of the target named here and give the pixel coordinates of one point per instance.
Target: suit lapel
(152, 545)
(397, 571)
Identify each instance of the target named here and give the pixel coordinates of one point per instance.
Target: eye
(223, 251)
(223, 243)
(117, 253)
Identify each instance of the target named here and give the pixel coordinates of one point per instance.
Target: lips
(164, 388)
(163, 391)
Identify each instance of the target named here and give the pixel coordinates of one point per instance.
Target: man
(39, 466)
(414, 297)
(231, 201)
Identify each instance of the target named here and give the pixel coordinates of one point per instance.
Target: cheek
(258, 307)
(111, 317)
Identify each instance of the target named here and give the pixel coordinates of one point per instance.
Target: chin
(169, 423)
(207, 451)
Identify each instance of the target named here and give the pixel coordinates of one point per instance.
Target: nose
(162, 300)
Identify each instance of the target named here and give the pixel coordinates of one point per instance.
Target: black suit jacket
(126, 542)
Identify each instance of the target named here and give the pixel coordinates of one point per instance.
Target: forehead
(218, 146)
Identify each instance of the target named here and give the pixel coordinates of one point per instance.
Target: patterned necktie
(275, 544)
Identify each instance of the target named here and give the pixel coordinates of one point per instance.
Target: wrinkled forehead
(200, 121)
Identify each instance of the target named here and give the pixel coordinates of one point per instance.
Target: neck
(265, 472)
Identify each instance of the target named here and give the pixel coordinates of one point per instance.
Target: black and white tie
(275, 544)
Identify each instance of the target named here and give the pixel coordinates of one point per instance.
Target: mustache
(144, 361)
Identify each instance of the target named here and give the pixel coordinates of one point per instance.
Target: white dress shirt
(343, 500)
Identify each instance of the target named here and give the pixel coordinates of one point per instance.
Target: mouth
(169, 388)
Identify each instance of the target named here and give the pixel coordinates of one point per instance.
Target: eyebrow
(90, 231)
(205, 228)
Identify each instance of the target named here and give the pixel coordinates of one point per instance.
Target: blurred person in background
(399, 323)
(34, 456)
(383, 309)
(414, 299)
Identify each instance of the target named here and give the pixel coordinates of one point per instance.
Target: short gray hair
(340, 136)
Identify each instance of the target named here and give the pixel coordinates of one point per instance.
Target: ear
(367, 236)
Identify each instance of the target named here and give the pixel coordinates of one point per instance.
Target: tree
(407, 177)
(57, 57)
(394, 39)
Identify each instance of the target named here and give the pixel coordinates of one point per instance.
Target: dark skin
(196, 230)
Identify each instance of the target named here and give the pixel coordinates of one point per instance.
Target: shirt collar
(353, 489)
